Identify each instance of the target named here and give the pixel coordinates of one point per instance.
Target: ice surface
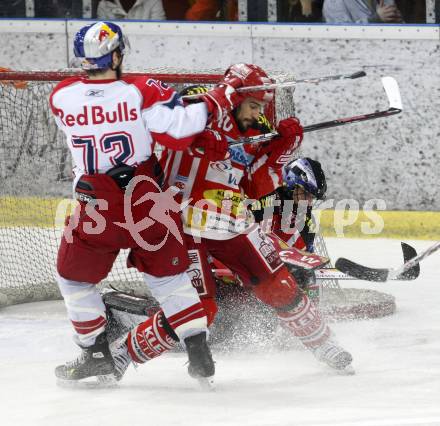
(397, 360)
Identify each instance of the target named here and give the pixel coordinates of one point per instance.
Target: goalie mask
(251, 75)
(308, 174)
(94, 45)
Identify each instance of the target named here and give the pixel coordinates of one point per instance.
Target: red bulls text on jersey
(113, 122)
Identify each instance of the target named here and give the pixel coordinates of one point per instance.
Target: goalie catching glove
(289, 140)
(211, 145)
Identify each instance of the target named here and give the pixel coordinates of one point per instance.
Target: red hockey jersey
(216, 194)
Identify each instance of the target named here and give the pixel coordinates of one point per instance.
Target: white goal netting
(35, 175)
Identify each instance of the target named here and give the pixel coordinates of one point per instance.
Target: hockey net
(36, 187)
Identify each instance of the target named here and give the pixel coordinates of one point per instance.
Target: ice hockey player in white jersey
(111, 123)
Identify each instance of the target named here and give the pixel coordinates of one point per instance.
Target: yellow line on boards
(51, 212)
(380, 224)
(34, 211)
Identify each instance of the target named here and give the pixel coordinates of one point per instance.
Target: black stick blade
(361, 272)
(409, 253)
(358, 74)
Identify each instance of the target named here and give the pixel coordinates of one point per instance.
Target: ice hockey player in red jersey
(286, 215)
(219, 224)
(111, 123)
(214, 185)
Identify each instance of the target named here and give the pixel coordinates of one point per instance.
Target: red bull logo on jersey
(92, 115)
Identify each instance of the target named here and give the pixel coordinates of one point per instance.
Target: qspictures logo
(163, 203)
(292, 219)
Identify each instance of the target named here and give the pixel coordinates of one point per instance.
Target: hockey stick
(315, 80)
(292, 83)
(395, 107)
(323, 274)
(410, 269)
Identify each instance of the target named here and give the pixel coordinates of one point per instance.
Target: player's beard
(244, 125)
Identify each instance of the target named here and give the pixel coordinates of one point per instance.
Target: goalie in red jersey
(216, 183)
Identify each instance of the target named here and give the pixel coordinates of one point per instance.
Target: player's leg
(150, 339)
(254, 258)
(80, 267)
(164, 265)
(155, 335)
(88, 249)
(302, 318)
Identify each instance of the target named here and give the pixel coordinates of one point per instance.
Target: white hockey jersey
(112, 122)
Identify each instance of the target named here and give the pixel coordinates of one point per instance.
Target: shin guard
(150, 339)
(305, 322)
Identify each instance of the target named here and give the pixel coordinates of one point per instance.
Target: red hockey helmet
(251, 75)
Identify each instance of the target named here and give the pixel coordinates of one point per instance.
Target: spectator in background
(175, 9)
(413, 11)
(131, 9)
(299, 10)
(13, 9)
(58, 9)
(258, 12)
(41, 9)
(212, 10)
(361, 11)
(203, 10)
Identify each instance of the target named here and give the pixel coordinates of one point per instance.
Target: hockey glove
(282, 148)
(223, 97)
(211, 145)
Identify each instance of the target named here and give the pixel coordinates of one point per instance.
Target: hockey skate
(94, 362)
(201, 365)
(334, 356)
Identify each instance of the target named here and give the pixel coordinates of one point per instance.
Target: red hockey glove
(283, 147)
(223, 97)
(211, 145)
